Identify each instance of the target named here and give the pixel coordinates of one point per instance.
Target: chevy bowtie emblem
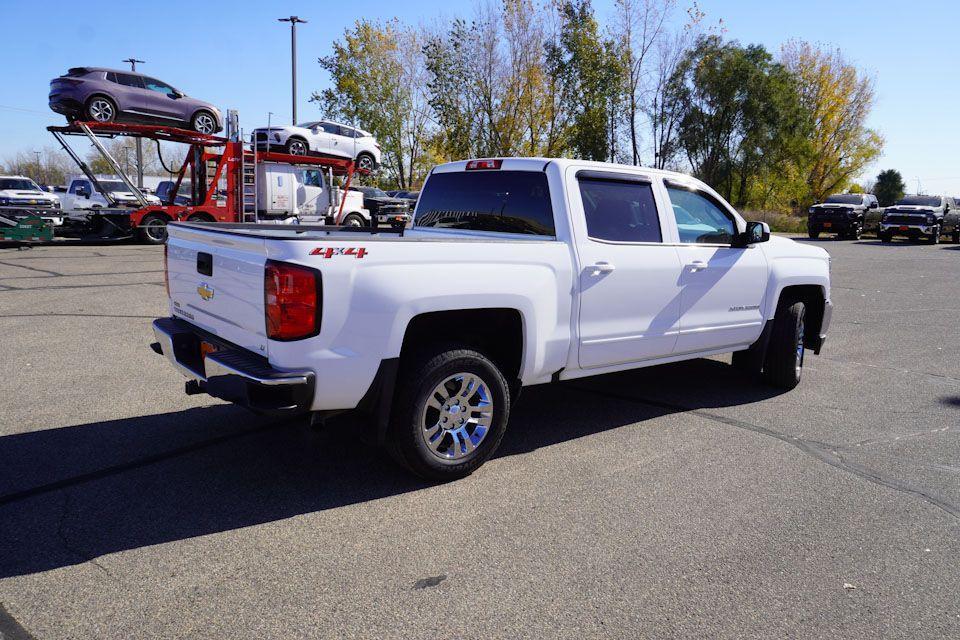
(205, 291)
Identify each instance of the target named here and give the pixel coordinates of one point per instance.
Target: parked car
(844, 214)
(920, 217)
(20, 193)
(184, 195)
(516, 272)
(322, 138)
(82, 197)
(107, 95)
(384, 209)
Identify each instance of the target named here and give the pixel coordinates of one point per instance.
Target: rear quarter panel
(369, 301)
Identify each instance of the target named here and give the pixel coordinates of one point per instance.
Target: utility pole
(133, 67)
(293, 20)
(39, 168)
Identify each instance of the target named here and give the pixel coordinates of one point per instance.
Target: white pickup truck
(516, 272)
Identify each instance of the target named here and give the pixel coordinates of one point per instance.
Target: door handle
(602, 267)
(697, 265)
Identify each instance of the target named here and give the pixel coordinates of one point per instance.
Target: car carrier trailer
(211, 162)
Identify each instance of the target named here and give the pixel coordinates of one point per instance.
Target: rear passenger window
(620, 211)
(130, 80)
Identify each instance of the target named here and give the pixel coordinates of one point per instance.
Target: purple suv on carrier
(106, 95)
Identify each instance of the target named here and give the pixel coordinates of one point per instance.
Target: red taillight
(478, 165)
(292, 297)
(166, 270)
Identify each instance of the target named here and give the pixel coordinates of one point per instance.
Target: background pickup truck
(516, 272)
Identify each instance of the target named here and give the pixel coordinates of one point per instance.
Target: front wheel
(297, 147)
(204, 122)
(886, 237)
(813, 234)
(784, 363)
(365, 162)
(956, 234)
(857, 232)
(354, 220)
(934, 236)
(450, 414)
(153, 229)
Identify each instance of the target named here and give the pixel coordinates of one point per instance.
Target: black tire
(153, 229)
(204, 122)
(784, 362)
(857, 231)
(366, 162)
(956, 235)
(354, 220)
(100, 109)
(885, 237)
(813, 234)
(298, 147)
(201, 217)
(935, 236)
(419, 380)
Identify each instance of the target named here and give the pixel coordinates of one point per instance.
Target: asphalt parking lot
(680, 501)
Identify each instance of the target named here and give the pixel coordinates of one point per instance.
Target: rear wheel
(153, 229)
(956, 234)
(101, 109)
(297, 147)
(886, 237)
(450, 414)
(784, 363)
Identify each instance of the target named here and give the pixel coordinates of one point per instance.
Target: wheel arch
(814, 300)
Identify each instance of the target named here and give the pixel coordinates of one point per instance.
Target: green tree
(839, 99)
(741, 118)
(377, 84)
(889, 187)
(590, 71)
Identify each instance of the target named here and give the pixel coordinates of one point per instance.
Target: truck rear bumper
(229, 372)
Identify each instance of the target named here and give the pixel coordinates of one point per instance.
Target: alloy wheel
(101, 110)
(204, 123)
(457, 416)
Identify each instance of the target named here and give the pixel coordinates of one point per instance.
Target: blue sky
(236, 54)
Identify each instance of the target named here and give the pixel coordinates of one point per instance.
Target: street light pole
(293, 20)
(39, 167)
(133, 67)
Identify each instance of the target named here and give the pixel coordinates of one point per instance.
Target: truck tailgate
(216, 283)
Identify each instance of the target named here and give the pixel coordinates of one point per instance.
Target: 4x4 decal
(329, 252)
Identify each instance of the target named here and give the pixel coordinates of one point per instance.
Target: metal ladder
(248, 183)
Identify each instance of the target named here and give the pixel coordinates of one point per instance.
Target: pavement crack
(23, 266)
(824, 452)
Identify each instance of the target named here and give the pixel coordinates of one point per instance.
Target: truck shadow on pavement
(69, 495)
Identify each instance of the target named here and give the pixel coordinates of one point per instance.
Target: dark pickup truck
(921, 217)
(843, 214)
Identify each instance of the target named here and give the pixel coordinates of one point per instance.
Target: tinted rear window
(504, 201)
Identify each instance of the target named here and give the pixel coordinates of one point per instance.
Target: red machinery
(221, 171)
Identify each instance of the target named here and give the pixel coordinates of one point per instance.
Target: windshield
(115, 186)
(22, 184)
(922, 201)
(845, 198)
(505, 201)
(375, 192)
